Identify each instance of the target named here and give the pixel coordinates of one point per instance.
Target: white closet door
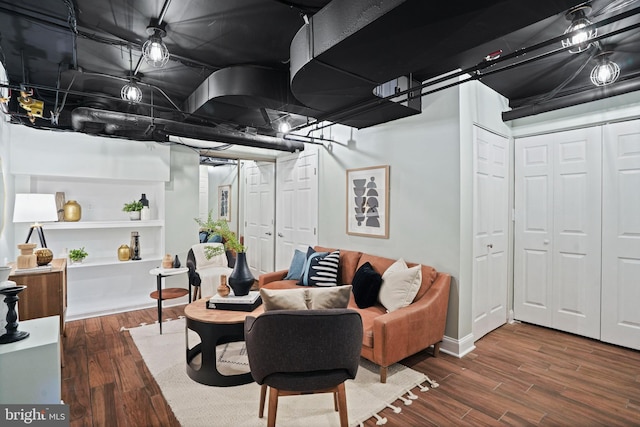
(533, 230)
(259, 213)
(296, 204)
(490, 228)
(577, 231)
(558, 225)
(621, 235)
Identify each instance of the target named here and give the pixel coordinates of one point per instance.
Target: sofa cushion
(366, 285)
(305, 298)
(400, 285)
(297, 265)
(321, 269)
(348, 264)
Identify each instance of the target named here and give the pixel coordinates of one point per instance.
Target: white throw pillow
(400, 285)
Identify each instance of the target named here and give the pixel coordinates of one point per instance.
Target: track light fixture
(154, 51)
(606, 71)
(579, 38)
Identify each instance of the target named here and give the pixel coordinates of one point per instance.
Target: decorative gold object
(43, 256)
(223, 288)
(27, 259)
(72, 211)
(167, 261)
(124, 253)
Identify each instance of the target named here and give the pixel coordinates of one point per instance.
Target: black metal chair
(303, 352)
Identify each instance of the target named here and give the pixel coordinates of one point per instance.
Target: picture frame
(368, 201)
(224, 202)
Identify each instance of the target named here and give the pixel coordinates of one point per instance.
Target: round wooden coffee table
(214, 327)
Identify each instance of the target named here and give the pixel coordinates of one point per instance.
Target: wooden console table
(46, 293)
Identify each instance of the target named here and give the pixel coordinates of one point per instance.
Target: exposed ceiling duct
(159, 129)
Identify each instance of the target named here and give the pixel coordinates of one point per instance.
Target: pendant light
(154, 51)
(131, 92)
(579, 38)
(606, 71)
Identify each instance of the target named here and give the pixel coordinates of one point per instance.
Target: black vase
(241, 279)
(176, 262)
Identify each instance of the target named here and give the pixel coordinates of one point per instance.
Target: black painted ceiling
(245, 65)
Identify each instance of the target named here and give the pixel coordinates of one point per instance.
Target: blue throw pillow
(321, 269)
(297, 264)
(366, 285)
(215, 238)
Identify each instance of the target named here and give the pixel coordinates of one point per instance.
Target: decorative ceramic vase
(167, 261)
(72, 211)
(176, 262)
(124, 253)
(43, 256)
(134, 215)
(241, 278)
(223, 288)
(145, 213)
(27, 259)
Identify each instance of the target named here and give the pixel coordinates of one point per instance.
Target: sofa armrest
(263, 279)
(410, 329)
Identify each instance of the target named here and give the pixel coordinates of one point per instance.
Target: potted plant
(77, 255)
(240, 279)
(133, 208)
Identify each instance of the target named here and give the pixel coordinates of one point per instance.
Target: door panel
(297, 205)
(621, 235)
(558, 226)
(259, 227)
(490, 230)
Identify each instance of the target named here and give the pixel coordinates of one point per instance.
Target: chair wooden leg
(263, 395)
(335, 401)
(273, 407)
(436, 349)
(342, 406)
(383, 374)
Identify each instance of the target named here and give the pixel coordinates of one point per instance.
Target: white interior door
(490, 231)
(621, 235)
(296, 204)
(576, 231)
(558, 225)
(533, 230)
(259, 224)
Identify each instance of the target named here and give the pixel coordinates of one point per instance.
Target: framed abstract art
(224, 202)
(368, 201)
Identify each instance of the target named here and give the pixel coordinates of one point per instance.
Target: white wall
(423, 152)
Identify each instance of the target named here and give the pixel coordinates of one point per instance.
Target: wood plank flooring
(520, 375)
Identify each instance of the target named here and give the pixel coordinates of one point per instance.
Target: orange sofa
(389, 337)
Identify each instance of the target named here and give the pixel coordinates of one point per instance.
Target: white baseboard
(458, 348)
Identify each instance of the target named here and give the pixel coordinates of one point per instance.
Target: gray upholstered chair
(304, 351)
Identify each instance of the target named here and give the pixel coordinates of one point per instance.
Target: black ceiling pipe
(573, 99)
(115, 121)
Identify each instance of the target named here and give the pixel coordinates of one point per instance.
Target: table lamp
(35, 208)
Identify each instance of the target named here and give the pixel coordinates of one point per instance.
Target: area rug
(195, 404)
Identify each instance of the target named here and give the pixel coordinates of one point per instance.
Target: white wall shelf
(99, 262)
(79, 225)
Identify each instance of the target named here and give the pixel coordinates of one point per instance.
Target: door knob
(545, 241)
(280, 235)
(490, 245)
(268, 233)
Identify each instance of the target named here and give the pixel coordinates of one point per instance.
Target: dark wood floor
(518, 375)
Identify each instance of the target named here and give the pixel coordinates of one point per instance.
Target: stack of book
(231, 302)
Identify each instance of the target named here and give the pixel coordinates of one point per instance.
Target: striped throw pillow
(321, 269)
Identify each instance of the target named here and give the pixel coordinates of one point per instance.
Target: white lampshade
(35, 208)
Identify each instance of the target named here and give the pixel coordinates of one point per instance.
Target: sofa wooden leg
(436, 349)
(383, 374)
